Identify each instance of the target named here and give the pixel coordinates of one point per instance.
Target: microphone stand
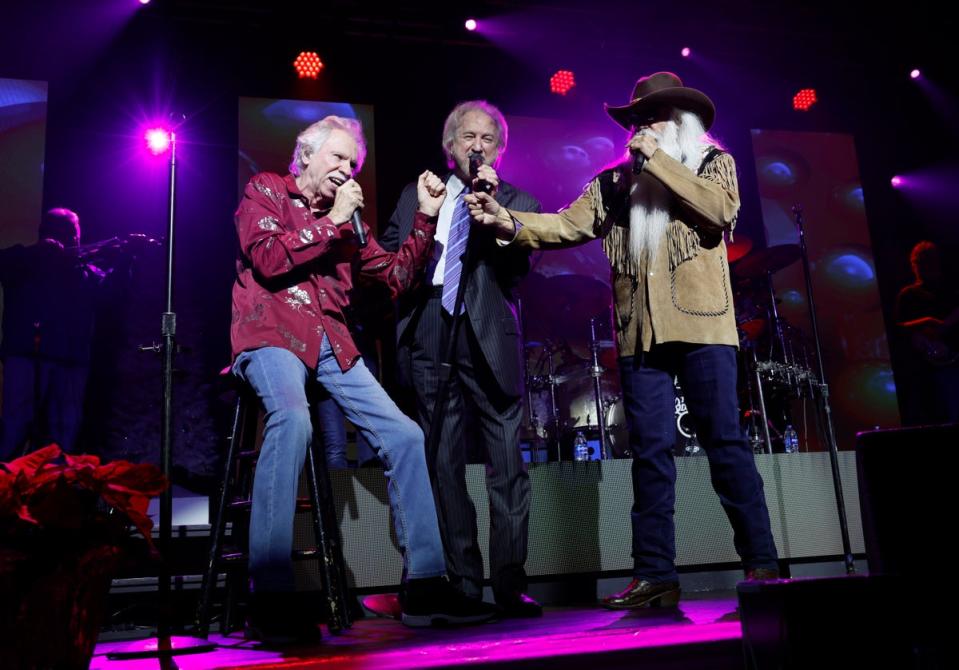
(449, 358)
(824, 397)
(164, 646)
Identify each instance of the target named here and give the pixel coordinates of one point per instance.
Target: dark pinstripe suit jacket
(490, 297)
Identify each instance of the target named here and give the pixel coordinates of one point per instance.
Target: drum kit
(777, 358)
(572, 385)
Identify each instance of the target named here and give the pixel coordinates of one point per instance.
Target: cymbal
(770, 259)
(738, 248)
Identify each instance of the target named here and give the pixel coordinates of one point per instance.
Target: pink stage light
(685, 52)
(158, 140)
(562, 82)
(144, 2)
(896, 181)
(915, 74)
(470, 24)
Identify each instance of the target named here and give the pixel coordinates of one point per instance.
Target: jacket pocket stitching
(697, 312)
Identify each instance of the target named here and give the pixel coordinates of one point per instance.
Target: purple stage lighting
(144, 2)
(470, 24)
(915, 74)
(685, 52)
(896, 181)
(158, 140)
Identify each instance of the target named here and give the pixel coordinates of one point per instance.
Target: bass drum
(616, 431)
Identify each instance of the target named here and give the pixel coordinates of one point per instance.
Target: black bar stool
(234, 503)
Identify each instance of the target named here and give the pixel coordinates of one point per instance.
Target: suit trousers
(473, 388)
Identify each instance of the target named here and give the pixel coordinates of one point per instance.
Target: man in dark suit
(488, 359)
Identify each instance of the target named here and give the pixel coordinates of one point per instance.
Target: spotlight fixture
(561, 82)
(308, 65)
(158, 140)
(805, 99)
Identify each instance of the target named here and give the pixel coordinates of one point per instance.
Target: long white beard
(649, 213)
(648, 218)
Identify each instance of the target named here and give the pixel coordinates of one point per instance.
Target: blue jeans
(332, 429)
(279, 379)
(707, 374)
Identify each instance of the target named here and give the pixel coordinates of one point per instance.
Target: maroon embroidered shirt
(295, 272)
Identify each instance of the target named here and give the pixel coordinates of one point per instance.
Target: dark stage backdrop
(23, 124)
(820, 172)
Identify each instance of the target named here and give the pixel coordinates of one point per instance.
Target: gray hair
(315, 136)
(455, 118)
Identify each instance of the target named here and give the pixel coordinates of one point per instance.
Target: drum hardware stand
(824, 396)
(761, 396)
(596, 372)
(554, 435)
(780, 335)
(533, 418)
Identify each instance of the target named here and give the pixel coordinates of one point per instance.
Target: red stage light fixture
(562, 82)
(308, 65)
(805, 99)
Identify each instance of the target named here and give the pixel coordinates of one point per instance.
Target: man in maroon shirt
(291, 300)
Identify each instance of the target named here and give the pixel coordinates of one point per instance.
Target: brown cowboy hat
(658, 90)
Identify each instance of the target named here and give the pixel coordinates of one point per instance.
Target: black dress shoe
(435, 602)
(761, 574)
(519, 606)
(642, 593)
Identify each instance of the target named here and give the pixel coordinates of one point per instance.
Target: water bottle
(692, 446)
(790, 440)
(756, 441)
(580, 447)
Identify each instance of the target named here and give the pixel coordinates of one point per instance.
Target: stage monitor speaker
(904, 477)
(841, 622)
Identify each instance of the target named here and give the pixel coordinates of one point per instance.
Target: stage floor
(703, 632)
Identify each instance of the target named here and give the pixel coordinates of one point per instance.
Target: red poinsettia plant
(48, 490)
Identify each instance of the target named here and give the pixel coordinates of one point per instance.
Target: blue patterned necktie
(455, 248)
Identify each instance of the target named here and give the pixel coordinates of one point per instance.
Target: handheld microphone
(358, 228)
(476, 160)
(639, 160)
